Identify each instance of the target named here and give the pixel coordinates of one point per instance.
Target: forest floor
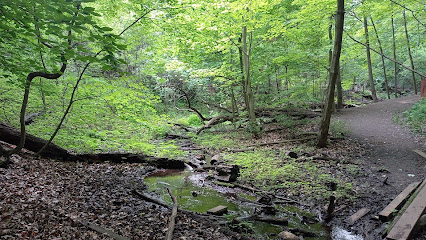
(48, 199)
(390, 164)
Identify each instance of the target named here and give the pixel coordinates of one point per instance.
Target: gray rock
(287, 236)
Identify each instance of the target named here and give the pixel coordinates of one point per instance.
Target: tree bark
(409, 52)
(334, 70)
(339, 90)
(383, 58)
(249, 92)
(370, 67)
(394, 57)
(243, 79)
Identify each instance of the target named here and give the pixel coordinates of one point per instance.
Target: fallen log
(172, 220)
(134, 158)
(214, 121)
(13, 136)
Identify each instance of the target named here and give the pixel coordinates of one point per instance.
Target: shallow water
(186, 184)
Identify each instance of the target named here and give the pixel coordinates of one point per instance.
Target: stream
(195, 194)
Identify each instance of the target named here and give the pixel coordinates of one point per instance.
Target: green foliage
(194, 120)
(108, 116)
(275, 170)
(416, 116)
(214, 140)
(337, 128)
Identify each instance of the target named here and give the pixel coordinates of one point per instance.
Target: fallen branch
(214, 121)
(283, 141)
(159, 202)
(172, 220)
(149, 198)
(240, 150)
(102, 230)
(267, 219)
(391, 59)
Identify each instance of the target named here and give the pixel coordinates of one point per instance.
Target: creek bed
(185, 184)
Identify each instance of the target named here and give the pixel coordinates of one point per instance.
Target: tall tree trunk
(233, 101)
(243, 79)
(339, 90)
(370, 67)
(249, 92)
(394, 57)
(277, 79)
(383, 59)
(409, 52)
(334, 70)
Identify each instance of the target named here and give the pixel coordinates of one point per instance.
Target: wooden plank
(420, 153)
(397, 203)
(405, 224)
(219, 210)
(358, 215)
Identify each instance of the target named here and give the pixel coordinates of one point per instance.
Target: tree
(369, 64)
(52, 33)
(334, 71)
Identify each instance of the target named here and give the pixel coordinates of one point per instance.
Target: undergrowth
(416, 117)
(107, 116)
(274, 170)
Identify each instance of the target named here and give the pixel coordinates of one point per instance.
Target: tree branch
(391, 59)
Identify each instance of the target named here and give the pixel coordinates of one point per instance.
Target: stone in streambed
(219, 210)
(287, 236)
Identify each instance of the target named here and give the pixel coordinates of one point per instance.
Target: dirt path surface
(390, 156)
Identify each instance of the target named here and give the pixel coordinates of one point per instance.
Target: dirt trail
(391, 145)
(390, 155)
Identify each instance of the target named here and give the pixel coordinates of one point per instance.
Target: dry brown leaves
(43, 199)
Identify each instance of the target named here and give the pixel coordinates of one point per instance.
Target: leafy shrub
(194, 120)
(416, 117)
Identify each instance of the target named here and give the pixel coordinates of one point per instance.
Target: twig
(172, 220)
(102, 230)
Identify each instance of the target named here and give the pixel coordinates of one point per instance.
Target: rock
(287, 236)
(267, 200)
(227, 173)
(269, 210)
(219, 210)
(292, 154)
(215, 159)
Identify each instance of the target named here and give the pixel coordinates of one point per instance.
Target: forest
(189, 119)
